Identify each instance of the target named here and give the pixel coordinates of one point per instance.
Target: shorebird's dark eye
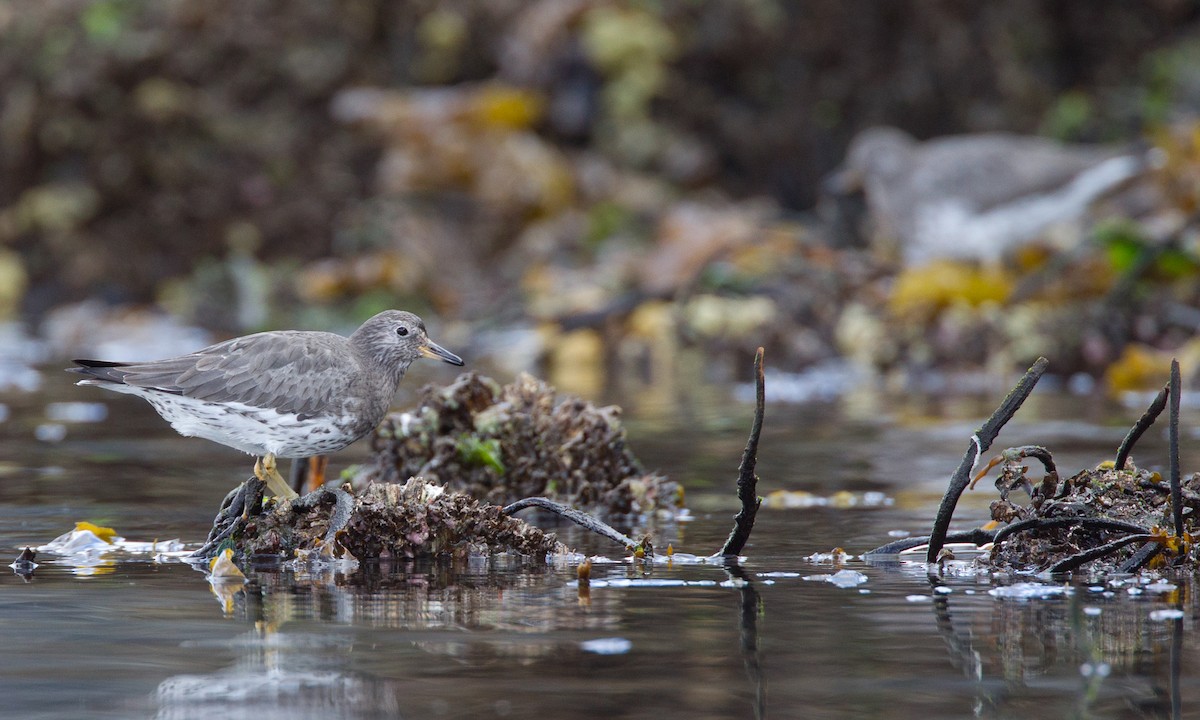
(401, 331)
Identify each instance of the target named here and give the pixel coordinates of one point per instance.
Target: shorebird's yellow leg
(264, 469)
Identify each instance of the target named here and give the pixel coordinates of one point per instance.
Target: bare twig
(1141, 426)
(1040, 454)
(1141, 558)
(1071, 562)
(579, 518)
(747, 482)
(1173, 444)
(980, 442)
(979, 536)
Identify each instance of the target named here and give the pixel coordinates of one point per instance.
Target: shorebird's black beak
(433, 351)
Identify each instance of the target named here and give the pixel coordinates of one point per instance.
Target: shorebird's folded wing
(257, 371)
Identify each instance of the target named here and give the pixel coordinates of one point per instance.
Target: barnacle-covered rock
(501, 444)
(416, 519)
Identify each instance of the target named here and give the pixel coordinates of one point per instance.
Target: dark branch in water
(1141, 558)
(980, 442)
(579, 518)
(1041, 454)
(1173, 444)
(1071, 562)
(342, 510)
(979, 536)
(1093, 523)
(1012, 455)
(1141, 426)
(747, 482)
(240, 503)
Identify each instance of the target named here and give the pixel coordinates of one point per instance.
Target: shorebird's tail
(100, 371)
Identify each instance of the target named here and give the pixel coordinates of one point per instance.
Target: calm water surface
(499, 638)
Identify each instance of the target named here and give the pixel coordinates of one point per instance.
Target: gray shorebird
(976, 196)
(288, 394)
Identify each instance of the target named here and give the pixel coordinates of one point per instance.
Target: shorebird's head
(878, 154)
(395, 338)
(883, 152)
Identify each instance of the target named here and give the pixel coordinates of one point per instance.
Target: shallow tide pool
(786, 633)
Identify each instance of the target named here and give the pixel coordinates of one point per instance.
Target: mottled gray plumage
(976, 196)
(284, 393)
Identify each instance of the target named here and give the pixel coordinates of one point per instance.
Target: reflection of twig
(1141, 426)
(980, 442)
(748, 633)
(577, 517)
(1173, 443)
(747, 482)
(1176, 665)
(962, 652)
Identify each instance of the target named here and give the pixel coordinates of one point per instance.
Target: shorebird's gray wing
(265, 370)
(989, 170)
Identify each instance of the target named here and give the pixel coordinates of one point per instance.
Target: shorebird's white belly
(951, 228)
(252, 430)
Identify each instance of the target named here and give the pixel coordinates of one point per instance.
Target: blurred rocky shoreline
(591, 187)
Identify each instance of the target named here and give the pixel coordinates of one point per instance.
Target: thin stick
(979, 536)
(1071, 562)
(1173, 443)
(575, 516)
(1141, 426)
(980, 442)
(747, 482)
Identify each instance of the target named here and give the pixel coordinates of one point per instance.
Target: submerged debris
(501, 444)
(387, 520)
(1113, 518)
(1094, 507)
